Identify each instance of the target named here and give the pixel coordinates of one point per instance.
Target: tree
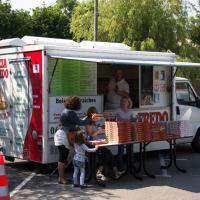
(148, 45)
(195, 27)
(21, 24)
(66, 5)
(13, 23)
(190, 51)
(82, 21)
(5, 11)
(50, 22)
(134, 21)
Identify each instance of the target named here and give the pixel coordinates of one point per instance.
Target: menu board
(72, 77)
(88, 78)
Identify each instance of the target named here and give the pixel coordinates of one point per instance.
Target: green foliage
(133, 22)
(45, 21)
(190, 52)
(82, 21)
(50, 22)
(5, 16)
(13, 23)
(22, 22)
(195, 27)
(148, 45)
(66, 5)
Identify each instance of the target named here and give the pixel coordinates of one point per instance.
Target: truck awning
(129, 62)
(186, 64)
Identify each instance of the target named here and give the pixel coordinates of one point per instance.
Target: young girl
(79, 159)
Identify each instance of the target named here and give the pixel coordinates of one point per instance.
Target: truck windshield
(185, 94)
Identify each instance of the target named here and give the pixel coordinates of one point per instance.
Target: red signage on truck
(3, 69)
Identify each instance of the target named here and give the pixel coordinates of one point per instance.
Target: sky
(30, 4)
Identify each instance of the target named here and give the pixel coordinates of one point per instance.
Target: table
(131, 167)
(172, 154)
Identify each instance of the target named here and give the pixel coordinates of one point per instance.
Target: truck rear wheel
(9, 158)
(196, 142)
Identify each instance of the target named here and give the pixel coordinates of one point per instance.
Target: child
(79, 159)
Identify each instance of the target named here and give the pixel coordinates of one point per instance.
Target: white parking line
(22, 184)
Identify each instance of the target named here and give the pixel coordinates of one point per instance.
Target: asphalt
(169, 184)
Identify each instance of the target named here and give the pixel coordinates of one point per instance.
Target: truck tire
(196, 142)
(9, 158)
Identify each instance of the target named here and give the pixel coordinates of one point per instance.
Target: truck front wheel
(196, 142)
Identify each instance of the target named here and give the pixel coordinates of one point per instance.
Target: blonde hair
(130, 103)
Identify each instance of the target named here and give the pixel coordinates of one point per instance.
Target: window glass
(184, 94)
(146, 85)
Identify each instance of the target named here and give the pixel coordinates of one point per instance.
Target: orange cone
(4, 194)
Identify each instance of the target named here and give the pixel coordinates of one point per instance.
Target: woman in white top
(80, 158)
(123, 114)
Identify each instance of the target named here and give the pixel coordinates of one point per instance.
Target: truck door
(19, 104)
(6, 136)
(187, 107)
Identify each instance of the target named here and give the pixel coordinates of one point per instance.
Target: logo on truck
(152, 117)
(3, 69)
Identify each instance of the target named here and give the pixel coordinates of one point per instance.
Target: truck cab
(188, 108)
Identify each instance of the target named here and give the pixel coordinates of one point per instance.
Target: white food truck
(37, 74)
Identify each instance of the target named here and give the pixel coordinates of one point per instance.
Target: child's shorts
(79, 164)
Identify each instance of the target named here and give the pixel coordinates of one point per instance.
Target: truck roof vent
(104, 45)
(14, 42)
(49, 41)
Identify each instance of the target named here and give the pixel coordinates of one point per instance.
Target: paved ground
(168, 184)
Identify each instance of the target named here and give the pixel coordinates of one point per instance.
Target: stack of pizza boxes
(118, 131)
(159, 130)
(163, 130)
(125, 131)
(141, 131)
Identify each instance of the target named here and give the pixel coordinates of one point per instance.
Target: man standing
(117, 88)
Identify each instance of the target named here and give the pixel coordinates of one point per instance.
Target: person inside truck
(118, 87)
(63, 138)
(105, 156)
(123, 114)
